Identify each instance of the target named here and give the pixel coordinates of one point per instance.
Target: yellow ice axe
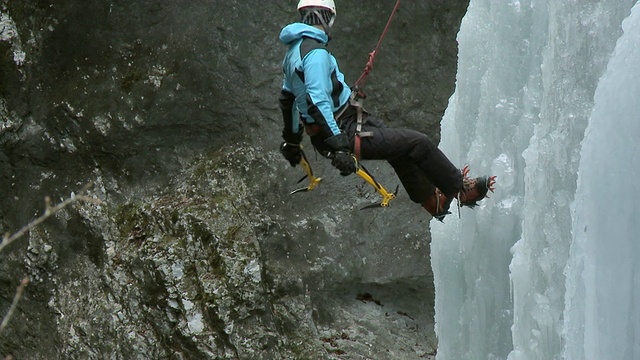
(386, 196)
(313, 181)
(362, 172)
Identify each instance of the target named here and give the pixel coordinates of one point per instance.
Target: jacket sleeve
(317, 79)
(291, 131)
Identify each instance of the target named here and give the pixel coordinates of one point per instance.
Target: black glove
(291, 152)
(343, 160)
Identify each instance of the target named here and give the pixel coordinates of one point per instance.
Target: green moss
(200, 171)
(201, 233)
(205, 298)
(209, 162)
(220, 197)
(217, 265)
(132, 77)
(232, 232)
(128, 218)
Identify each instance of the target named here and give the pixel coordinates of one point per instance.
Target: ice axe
(361, 171)
(386, 196)
(313, 181)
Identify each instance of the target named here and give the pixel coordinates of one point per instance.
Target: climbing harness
(356, 102)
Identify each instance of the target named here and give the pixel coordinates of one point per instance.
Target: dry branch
(8, 239)
(48, 212)
(14, 304)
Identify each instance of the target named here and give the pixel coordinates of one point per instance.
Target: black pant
(417, 161)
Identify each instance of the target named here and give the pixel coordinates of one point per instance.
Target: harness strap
(356, 102)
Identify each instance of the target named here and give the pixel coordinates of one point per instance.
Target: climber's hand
(291, 152)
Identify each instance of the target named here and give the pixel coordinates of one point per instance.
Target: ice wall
(602, 316)
(508, 278)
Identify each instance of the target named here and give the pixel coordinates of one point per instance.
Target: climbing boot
(474, 190)
(438, 205)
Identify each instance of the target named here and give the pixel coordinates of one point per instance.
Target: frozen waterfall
(547, 99)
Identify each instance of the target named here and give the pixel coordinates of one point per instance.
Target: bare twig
(14, 304)
(8, 239)
(48, 212)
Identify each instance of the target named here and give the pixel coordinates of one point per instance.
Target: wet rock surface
(198, 250)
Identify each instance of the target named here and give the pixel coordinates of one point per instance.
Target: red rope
(372, 55)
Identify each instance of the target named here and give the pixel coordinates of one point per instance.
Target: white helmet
(327, 4)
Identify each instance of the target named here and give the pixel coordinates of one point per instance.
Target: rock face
(197, 250)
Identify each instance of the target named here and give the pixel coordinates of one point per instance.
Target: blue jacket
(313, 85)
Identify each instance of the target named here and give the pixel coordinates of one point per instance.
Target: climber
(315, 98)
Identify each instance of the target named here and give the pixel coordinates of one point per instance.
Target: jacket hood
(295, 31)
